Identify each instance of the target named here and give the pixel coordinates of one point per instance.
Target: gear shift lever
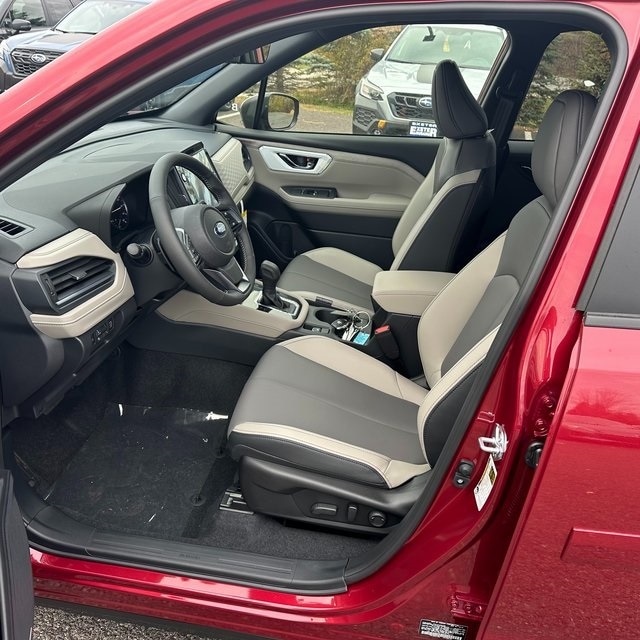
(270, 274)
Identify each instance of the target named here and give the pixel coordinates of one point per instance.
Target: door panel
(311, 196)
(16, 583)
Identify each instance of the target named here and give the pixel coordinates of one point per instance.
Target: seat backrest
(445, 213)
(458, 327)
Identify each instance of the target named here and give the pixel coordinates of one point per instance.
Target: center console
(242, 333)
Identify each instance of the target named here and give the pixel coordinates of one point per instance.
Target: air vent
(11, 228)
(75, 280)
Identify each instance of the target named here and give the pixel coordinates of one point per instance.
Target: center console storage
(348, 325)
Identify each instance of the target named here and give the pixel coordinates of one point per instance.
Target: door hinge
(467, 607)
(495, 445)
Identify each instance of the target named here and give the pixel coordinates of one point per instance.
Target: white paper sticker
(426, 129)
(485, 485)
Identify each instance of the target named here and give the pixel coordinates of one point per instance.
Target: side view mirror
(376, 54)
(19, 25)
(279, 112)
(282, 111)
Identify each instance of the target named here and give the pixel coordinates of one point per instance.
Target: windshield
(95, 15)
(468, 46)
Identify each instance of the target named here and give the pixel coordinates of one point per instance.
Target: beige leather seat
(435, 231)
(324, 431)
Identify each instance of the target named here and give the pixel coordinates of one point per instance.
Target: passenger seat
(440, 219)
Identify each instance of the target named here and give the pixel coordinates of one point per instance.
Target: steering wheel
(201, 240)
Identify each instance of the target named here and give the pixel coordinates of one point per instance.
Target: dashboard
(101, 183)
(68, 284)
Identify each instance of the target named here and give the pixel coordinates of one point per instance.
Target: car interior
(251, 352)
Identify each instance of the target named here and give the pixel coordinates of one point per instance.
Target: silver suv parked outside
(394, 97)
(17, 16)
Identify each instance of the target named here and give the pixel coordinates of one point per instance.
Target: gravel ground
(54, 624)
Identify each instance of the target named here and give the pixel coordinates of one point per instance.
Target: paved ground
(310, 119)
(54, 624)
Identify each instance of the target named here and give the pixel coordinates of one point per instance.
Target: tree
(574, 60)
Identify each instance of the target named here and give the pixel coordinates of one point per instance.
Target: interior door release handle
(292, 160)
(299, 162)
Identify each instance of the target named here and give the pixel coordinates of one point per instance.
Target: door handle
(295, 160)
(306, 163)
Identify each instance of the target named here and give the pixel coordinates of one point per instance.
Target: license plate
(422, 128)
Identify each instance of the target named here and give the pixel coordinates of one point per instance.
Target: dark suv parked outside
(23, 54)
(39, 14)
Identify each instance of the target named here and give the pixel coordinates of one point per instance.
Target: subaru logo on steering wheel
(220, 229)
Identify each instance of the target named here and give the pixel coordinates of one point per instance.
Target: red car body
(558, 555)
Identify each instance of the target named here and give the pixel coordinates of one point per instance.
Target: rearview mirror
(255, 56)
(19, 25)
(376, 54)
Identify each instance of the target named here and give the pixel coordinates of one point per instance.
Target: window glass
(376, 81)
(30, 10)
(58, 8)
(93, 16)
(574, 60)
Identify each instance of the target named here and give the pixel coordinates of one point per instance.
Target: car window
(574, 60)
(31, 10)
(376, 81)
(93, 16)
(58, 9)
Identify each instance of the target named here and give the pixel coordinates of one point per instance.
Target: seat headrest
(560, 137)
(456, 112)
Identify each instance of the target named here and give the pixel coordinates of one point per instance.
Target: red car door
(575, 560)
(16, 588)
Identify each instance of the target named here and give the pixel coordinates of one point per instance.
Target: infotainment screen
(196, 190)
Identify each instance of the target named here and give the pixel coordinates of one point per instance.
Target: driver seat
(328, 434)
(443, 216)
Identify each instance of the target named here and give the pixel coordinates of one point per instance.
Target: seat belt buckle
(388, 343)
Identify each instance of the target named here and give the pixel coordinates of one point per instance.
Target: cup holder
(325, 315)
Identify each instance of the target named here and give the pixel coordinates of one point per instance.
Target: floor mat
(144, 470)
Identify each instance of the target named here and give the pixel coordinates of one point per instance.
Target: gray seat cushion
(355, 419)
(332, 273)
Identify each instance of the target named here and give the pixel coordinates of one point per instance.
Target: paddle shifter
(270, 274)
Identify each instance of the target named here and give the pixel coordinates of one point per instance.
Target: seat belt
(508, 97)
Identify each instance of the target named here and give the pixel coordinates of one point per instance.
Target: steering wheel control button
(377, 519)
(324, 510)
